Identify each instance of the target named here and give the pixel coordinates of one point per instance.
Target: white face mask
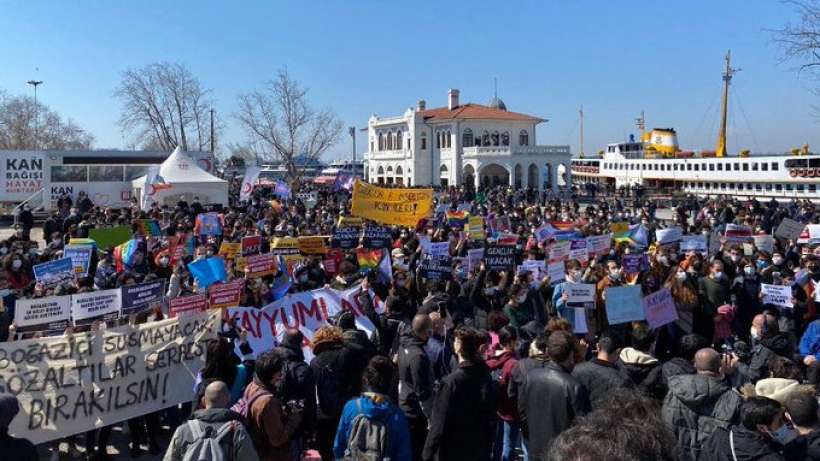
(681, 276)
(16, 264)
(3, 250)
(718, 275)
(749, 270)
(575, 274)
(163, 261)
(777, 260)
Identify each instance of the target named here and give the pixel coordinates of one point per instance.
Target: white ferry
(656, 162)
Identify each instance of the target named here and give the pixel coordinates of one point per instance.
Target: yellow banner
(475, 227)
(229, 250)
(312, 245)
(402, 207)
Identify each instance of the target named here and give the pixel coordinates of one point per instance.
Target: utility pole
(352, 131)
(212, 131)
(581, 112)
(35, 84)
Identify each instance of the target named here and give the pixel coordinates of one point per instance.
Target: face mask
(784, 434)
(754, 333)
(615, 274)
(17, 264)
(749, 270)
(303, 278)
(761, 264)
(461, 273)
(3, 250)
(735, 258)
(681, 276)
(490, 291)
(663, 260)
(718, 275)
(522, 298)
(777, 261)
(163, 261)
(575, 274)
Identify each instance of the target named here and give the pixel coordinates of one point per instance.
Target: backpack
(206, 445)
(243, 406)
(329, 390)
(368, 439)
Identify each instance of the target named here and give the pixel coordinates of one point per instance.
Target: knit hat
(9, 407)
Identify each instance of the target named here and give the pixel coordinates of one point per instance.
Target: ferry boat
(656, 162)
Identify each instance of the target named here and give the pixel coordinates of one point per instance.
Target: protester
(600, 376)
(802, 408)
(12, 447)
(416, 383)
(214, 420)
(761, 435)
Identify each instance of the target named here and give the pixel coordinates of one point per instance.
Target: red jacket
(504, 362)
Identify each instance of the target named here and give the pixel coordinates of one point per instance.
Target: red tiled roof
(476, 111)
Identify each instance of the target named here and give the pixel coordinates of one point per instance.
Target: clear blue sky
(362, 57)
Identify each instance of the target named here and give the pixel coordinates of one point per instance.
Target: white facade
(482, 145)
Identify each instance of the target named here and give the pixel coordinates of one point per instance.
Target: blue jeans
(506, 440)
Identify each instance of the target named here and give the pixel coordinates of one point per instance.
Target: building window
(768, 187)
(408, 143)
(467, 138)
(438, 140)
(505, 138)
(789, 187)
(697, 167)
(812, 188)
(688, 167)
(494, 138)
(676, 167)
(758, 187)
(720, 167)
(523, 138)
(399, 140)
(448, 139)
(775, 166)
(381, 142)
(745, 167)
(764, 166)
(700, 185)
(778, 187)
(371, 146)
(737, 167)
(424, 141)
(711, 167)
(754, 166)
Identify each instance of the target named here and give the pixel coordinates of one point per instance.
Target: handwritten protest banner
(345, 238)
(312, 245)
(375, 237)
(635, 263)
(599, 244)
(223, 295)
(42, 314)
(437, 249)
(559, 251)
(71, 385)
(623, 304)
(402, 207)
(110, 237)
(535, 267)
(778, 295)
(251, 245)
(53, 273)
(307, 311)
(80, 256)
(499, 257)
(659, 308)
(789, 229)
(668, 235)
(142, 296)
(187, 305)
(475, 228)
(96, 305)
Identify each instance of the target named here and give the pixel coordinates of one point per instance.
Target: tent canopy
(187, 179)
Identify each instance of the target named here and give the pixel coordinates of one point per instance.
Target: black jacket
(765, 350)
(694, 407)
(361, 351)
(599, 378)
(298, 382)
(549, 402)
(749, 446)
(644, 370)
(463, 418)
(805, 448)
(17, 449)
(390, 326)
(336, 382)
(415, 377)
(676, 366)
(519, 373)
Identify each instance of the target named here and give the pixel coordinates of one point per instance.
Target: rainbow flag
(124, 254)
(636, 236)
(563, 225)
(457, 219)
(149, 228)
(368, 259)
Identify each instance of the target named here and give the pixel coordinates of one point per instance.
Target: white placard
(94, 304)
(668, 235)
(778, 295)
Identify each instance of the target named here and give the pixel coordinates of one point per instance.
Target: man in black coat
(462, 423)
(682, 364)
(416, 382)
(755, 438)
(770, 343)
(12, 447)
(298, 382)
(802, 408)
(551, 398)
(600, 375)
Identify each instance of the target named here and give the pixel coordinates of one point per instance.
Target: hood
(216, 415)
(678, 366)
(776, 388)
(499, 359)
(375, 410)
(751, 445)
(355, 339)
(697, 390)
(291, 353)
(326, 346)
(778, 343)
(636, 357)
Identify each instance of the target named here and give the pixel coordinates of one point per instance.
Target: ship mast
(720, 151)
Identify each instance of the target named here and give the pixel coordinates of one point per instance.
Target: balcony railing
(481, 151)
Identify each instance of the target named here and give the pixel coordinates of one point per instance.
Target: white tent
(186, 179)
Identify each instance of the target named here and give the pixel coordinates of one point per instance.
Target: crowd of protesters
(486, 365)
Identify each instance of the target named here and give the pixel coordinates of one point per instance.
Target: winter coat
(398, 441)
(298, 383)
(519, 373)
(270, 431)
(805, 448)
(239, 446)
(415, 378)
(810, 342)
(549, 402)
(361, 350)
(748, 446)
(768, 348)
(694, 407)
(336, 378)
(462, 423)
(644, 370)
(501, 366)
(600, 378)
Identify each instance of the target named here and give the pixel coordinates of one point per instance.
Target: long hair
(220, 362)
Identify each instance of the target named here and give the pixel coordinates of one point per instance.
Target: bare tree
(800, 42)
(26, 125)
(280, 118)
(165, 106)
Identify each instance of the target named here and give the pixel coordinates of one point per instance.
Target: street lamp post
(352, 131)
(35, 84)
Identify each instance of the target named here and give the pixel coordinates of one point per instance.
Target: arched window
(447, 139)
(381, 141)
(494, 138)
(423, 141)
(438, 140)
(485, 138)
(381, 170)
(399, 139)
(467, 138)
(505, 138)
(443, 170)
(390, 169)
(523, 138)
(399, 170)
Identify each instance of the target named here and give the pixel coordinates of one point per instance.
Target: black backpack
(329, 390)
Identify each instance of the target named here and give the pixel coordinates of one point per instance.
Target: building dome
(497, 103)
